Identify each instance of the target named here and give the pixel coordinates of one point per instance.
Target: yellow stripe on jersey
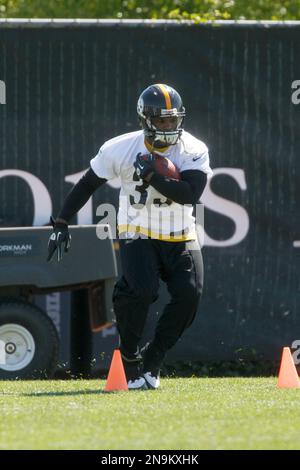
(166, 95)
(158, 236)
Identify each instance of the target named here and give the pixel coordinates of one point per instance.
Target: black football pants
(144, 261)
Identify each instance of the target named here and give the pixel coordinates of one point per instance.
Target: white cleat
(137, 384)
(152, 380)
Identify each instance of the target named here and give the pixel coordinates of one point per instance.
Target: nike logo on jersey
(196, 158)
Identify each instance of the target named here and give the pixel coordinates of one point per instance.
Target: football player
(156, 228)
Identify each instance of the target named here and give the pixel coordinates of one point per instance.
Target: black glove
(144, 165)
(59, 236)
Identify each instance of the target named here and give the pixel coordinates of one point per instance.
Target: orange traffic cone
(288, 377)
(116, 379)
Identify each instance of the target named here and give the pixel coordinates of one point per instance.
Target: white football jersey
(142, 209)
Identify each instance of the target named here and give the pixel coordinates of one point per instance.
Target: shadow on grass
(67, 394)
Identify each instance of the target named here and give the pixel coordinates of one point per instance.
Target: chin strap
(150, 146)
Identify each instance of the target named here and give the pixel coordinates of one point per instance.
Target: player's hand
(59, 237)
(144, 165)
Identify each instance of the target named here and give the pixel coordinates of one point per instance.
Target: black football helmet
(161, 101)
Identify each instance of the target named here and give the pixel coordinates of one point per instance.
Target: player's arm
(186, 191)
(75, 200)
(80, 194)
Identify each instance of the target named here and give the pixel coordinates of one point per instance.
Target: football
(165, 167)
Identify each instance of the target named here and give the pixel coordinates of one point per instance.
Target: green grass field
(194, 413)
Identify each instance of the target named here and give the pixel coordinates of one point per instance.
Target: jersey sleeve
(197, 161)
(103, 164)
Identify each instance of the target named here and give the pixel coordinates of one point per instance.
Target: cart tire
(29, 341)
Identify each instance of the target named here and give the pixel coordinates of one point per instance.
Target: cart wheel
(29, 341)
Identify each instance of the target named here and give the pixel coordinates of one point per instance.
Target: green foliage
(196, 10)
(238, 368)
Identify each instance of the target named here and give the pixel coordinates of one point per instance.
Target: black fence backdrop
(70, 87)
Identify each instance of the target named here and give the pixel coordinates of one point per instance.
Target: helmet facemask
(161, 134)
(167, 135)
